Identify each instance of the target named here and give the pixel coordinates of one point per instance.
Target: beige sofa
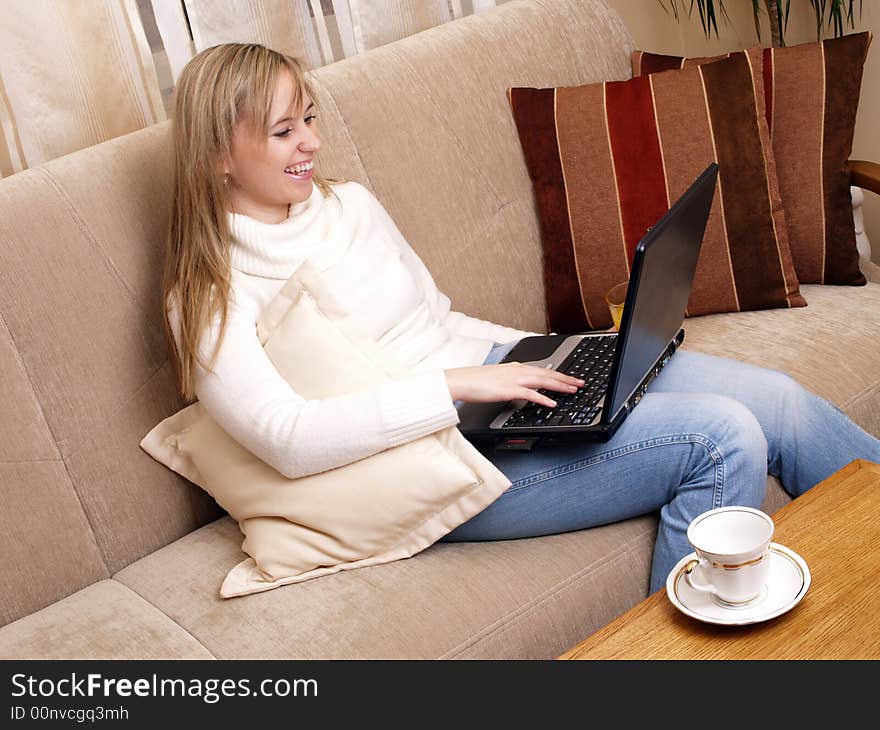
(108, 554)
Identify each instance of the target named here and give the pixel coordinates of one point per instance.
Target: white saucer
(788, 583)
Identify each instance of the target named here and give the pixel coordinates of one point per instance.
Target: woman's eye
(287, 131)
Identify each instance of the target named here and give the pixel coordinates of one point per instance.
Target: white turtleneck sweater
(385, 288)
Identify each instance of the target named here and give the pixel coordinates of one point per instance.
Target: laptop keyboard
(591, 361)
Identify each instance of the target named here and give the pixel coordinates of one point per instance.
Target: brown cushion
(812, 94)
(608, 159)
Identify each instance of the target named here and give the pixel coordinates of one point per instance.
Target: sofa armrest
(865, 175)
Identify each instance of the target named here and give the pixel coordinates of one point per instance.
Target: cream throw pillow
(388, 506)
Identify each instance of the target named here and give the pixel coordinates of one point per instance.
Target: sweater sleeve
(467, 326)
(457, 322)
(247, 397)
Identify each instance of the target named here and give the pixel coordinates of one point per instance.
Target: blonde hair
(218, 88)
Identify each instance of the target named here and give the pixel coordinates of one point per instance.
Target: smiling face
(271, 169)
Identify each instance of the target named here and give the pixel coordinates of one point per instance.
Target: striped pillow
(812, 93)
(607, 160)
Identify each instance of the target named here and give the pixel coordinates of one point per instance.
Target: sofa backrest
(423, 122)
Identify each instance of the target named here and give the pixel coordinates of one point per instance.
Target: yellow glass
(616, 297)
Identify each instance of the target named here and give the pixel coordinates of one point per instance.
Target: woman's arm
(249, 399)
(467, 326)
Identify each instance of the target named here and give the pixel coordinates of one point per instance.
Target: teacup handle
(688, 576)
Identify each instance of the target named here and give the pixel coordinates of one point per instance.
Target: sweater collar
(273, 250)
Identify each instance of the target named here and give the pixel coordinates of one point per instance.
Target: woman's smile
(300, 172)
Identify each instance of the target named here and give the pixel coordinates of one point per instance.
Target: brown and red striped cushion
(607, 160)
(811, 95)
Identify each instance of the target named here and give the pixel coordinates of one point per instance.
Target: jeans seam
(710, 446)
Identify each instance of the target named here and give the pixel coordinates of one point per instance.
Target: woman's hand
(508, 381)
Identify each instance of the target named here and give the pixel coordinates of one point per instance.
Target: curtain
(316, 31)
(74, 73)
(377, 22)
(280, 24)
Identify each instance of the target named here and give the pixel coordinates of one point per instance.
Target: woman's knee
(742, 444)
(740, 426)
(729, 444)
(782, 384)
(717, 419)
(733, 427)
(708, 417)
(727, 439)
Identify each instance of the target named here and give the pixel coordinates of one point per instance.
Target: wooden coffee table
(835, 528)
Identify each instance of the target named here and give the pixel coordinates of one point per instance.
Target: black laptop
(617, 367)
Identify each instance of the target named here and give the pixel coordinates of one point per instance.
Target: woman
(249, 208)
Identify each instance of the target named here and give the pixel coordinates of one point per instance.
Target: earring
(226, 178)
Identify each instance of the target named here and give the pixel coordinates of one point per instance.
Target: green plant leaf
(756, 13)
(837, 12)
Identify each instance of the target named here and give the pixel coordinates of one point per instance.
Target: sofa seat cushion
(829, 346)
(529, 599)
(106, 620)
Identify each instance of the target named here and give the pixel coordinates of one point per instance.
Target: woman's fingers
(534, 378)
(496, 383)
(551, 377)
(536, 397)
(565, 386)
(554, 381)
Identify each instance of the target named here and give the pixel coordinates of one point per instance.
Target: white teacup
(733, 547)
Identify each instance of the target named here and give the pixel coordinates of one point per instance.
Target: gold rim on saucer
(792, 557)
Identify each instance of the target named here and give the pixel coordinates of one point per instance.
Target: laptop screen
(659, 288)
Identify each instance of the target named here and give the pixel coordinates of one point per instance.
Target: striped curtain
(317, 31)
(72, 74)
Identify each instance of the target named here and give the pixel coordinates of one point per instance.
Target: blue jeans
(706, 434)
